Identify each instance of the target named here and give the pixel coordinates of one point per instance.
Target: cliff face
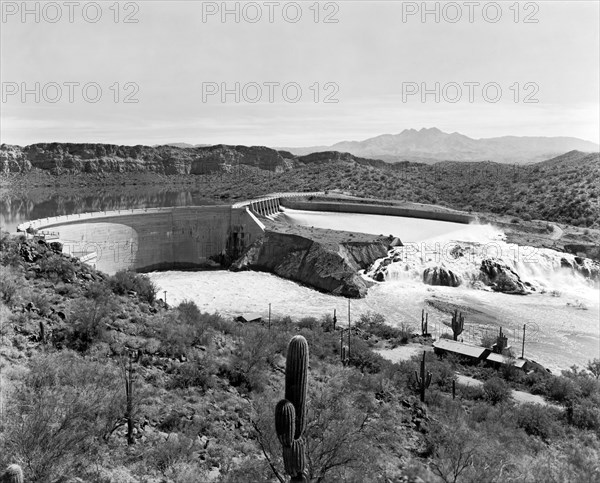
(330, 267)
(68, 158)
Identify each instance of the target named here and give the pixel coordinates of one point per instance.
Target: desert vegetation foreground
(103, 382)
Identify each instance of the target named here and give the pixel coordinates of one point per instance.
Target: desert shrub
(586, 415)
(195, 373)
(587, 385)
(11, 283)
(189, 313)
(327, 323)
(363, 358)
(41, 302)
(573, 461)
(488, 341)
(473, 392)
(20, 342)
(88, 323)
(454, 451)
(59, 410)
(176, 449)
(220, 323)
(97, 291)
(57, 267)
(309, 323)
(405, 333)
(537, 382)
(66, 289)
(562, 389)
(594, 367)
(442, 376)
(246, 369)
(496, 390)
(537, 420)
(176, 339)
(125, 281)
(375, 324)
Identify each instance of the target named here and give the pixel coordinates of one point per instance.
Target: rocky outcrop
(440, 276)
(70, 158)
(587, 268)
(13, 160)
(502, 278)
(330, 267)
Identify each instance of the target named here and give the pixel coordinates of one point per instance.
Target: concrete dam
(191, 237)
(160, 238)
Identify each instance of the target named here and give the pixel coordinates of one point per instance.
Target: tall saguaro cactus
(290, 413)
(424, 380)
(458, 324)
(424, 323)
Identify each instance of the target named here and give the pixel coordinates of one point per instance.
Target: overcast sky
(373, 58)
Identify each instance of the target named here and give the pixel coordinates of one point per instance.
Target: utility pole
(269, 317)
(523, 348)
(334, 320)
(349, 329)
(165, 292)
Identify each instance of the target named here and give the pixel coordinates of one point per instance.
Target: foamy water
(566, 335)
(559, 333)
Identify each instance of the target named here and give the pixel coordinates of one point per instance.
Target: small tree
(496, 390)
(594, 367)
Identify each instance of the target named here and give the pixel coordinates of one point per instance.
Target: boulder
(501, 278)
(440, 276)
(56, 247)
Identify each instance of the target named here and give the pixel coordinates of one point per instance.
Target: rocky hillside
(563, 189)
(68, 158)
(71, 159)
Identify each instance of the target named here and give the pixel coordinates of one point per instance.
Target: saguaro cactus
(424, 323)
(344, 355)
(12, 474)
(424, 380)
(458, 324)
(290, 413)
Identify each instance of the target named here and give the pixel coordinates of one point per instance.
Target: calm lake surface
(40, 204)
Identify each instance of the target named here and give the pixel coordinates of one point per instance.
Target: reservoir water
(407, 229)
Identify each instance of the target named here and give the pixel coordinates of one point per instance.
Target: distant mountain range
(432, 145)
(182, 145)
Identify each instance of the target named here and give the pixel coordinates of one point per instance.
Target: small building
(475, 354)
(250, 317)
(501, 360)
(468, 351)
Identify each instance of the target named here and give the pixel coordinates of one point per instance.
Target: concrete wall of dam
(373, 209)
(155, 239)
(190, 237)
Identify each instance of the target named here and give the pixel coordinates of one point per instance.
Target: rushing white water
(566, 334)
(562, 315)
